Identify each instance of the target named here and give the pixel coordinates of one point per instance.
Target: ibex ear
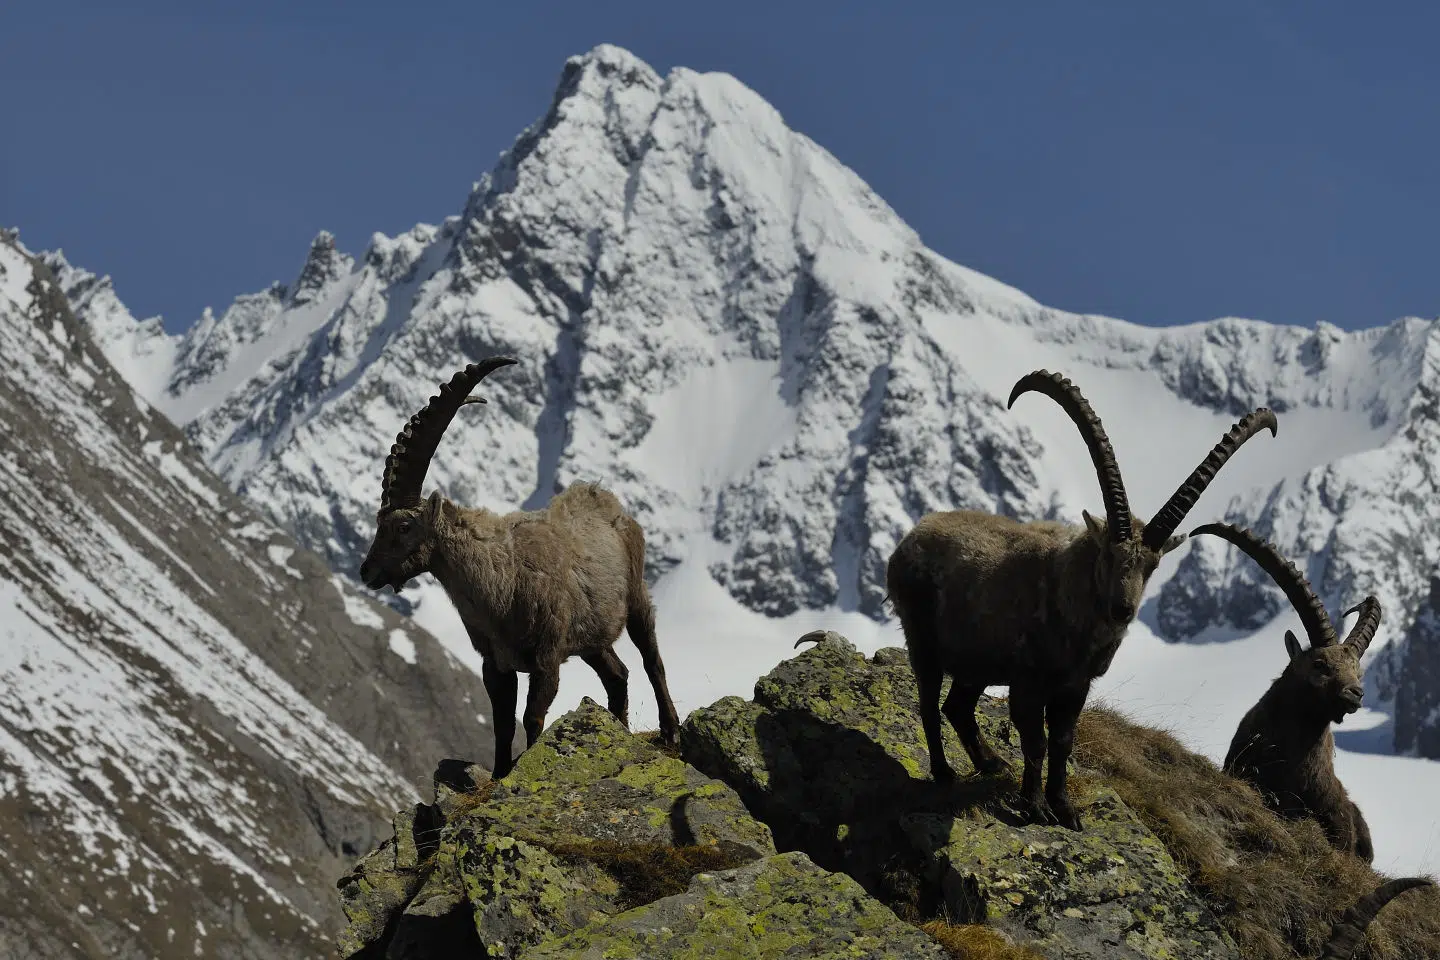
(434, 510)
(1096, 528)
(1172, 543)
(1292, 645)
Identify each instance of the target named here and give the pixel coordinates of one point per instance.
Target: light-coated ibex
(1349, 930)
(1039, 606)
(1283, 745)
(533, 588)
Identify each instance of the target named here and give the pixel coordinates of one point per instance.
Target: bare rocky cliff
(200, 722)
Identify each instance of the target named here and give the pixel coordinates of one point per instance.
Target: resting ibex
(532, 587)
(1350, 929)
(1039, 606)
(1283, 745)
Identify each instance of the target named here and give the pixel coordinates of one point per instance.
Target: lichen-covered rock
(519, 893)
(490, 869)
(455, 780)
(588, 778)
(831, 751)
(832, 755)
(378, 886)
(1109, 891)
(779, 907)
(599, 845)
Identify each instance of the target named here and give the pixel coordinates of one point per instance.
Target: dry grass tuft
(1277, 886)
(472, 800)
(977, 942)
(646, 872)
(652, 737)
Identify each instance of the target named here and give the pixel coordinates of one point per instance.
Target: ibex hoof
(1065, 814)
(990, 766)
(1036, 811)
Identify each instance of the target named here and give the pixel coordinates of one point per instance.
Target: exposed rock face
(199, 721)
(1417, 703)
(830, 758)
(778, 907)
(831, 754)
(600, 846)
(568, 856)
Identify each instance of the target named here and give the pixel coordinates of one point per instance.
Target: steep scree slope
(199, 722)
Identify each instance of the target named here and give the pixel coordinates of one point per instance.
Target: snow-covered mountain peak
(622, 147)
(718, 319)
(324, 266)
(1363, 520)
(140, 350)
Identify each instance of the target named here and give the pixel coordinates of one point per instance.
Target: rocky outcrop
(599, 844)
(830, 753)
(1417, 702)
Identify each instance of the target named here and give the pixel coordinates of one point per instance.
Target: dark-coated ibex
(1039, 606)
(1283, 745)
(533, 588)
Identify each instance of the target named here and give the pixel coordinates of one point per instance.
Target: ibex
(1283, 745)
(533, 588)
(1039, 606)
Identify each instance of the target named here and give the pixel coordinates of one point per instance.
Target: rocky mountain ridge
(723, 323)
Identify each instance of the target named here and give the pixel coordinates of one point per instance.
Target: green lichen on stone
(519, 893)
(443, 889)
(593, 821)
(831, 753)
(588, 778)
(374, 889)
(407, 853)
(1109, 890)
(826, 720)
(534, 855)
(782, 906)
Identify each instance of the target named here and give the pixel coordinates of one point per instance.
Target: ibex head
(406, 524)
(1130, 549)
(1328, 669)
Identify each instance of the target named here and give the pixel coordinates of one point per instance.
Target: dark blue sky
(1268, 160)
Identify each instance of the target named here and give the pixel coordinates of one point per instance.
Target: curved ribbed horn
(814, 636)
(1168, 517)
(1318, 628)
(1348, 932)
(1112, 488)
(410, 455)
(1364, 630)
